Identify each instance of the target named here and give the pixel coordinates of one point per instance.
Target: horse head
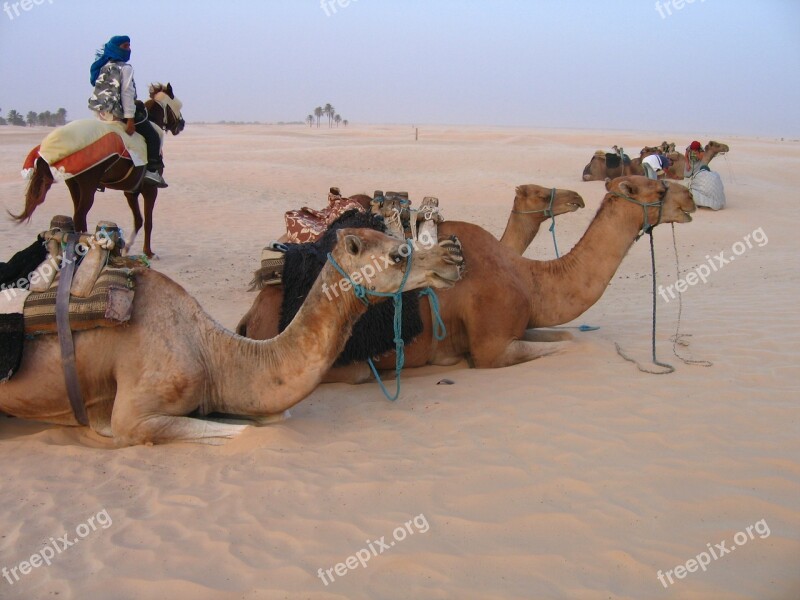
(170, 117)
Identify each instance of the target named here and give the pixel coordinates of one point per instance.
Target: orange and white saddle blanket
(80, 145)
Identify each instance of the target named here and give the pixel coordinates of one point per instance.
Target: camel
(502, 294)
(140, 381)
(608, 165)
(115, 173)
(531, 209)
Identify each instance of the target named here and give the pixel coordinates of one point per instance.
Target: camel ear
(353, 244)
(627, 188)
(608, 184)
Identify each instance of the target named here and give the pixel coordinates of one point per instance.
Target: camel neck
(267, 377)
(521, 229)
(563, 289)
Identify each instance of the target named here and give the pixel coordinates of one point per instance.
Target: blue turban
(111, 51)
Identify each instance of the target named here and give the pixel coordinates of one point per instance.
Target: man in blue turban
(114, 99)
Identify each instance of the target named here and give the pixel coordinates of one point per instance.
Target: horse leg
(74, 193)
(149, 193)
(87, 192)
(133, 202)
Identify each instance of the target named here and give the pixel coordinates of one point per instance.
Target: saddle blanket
(110, 304)
(80, 145)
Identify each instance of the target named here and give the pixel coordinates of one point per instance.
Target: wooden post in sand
(416, 134)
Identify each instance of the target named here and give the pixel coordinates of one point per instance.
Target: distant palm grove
(326, 111)
(45, 118)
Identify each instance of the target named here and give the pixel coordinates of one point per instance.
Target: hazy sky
(715, 66)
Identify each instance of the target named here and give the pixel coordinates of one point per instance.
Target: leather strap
(65, 332)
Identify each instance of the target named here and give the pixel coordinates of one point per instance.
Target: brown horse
(115, 173)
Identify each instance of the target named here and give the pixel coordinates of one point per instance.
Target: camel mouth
(445, 280)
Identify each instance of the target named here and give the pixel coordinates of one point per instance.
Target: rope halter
(646, 226)
(548, 214)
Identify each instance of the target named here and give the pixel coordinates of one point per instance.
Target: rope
(646, 227)
(397, 297)
(669, 368)
(678, 338)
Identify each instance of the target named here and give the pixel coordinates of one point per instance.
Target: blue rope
(361, 293)
(553, 220)
(439, 330)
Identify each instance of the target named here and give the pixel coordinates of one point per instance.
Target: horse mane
(161, 87)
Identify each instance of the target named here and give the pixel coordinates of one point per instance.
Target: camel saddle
(307, 225)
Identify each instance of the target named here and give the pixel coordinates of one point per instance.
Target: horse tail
(38, 187)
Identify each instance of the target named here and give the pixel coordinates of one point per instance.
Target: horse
(115, 172)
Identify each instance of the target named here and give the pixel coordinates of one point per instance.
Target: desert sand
(573, 476)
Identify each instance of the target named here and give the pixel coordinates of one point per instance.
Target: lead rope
(668, 368)
(397, 297)
(678, 338)
(553, 220)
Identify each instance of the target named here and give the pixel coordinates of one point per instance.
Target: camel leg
(353, 374)
(516, 352)
(543, 335)
(133, 202)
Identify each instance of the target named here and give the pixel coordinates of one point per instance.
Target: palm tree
(318, 112)
(61, 116)
(310, 120)
(14, 118)
(345, 122)
(31, 118)
(337, 119)
(329, 112)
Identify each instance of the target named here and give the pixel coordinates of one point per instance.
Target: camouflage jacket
(110, 92)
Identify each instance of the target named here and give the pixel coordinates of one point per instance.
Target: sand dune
(574, 476)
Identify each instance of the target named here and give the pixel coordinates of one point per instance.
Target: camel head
(534, 198)
(648, 150)
(379, 261)
(716, 147)
(675, 200)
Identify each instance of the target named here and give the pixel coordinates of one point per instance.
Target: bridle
(647, 227)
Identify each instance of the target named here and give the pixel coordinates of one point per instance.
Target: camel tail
(37, 190)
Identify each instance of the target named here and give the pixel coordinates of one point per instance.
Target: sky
(712, 66)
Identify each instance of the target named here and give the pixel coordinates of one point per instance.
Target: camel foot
(270, 419)
(520, 351)
(547, 335)
(163, 429)
(352, 374)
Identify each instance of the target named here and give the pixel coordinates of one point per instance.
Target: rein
(547, 213)
(361, 293)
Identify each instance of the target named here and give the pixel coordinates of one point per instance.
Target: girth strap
(65, 332)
